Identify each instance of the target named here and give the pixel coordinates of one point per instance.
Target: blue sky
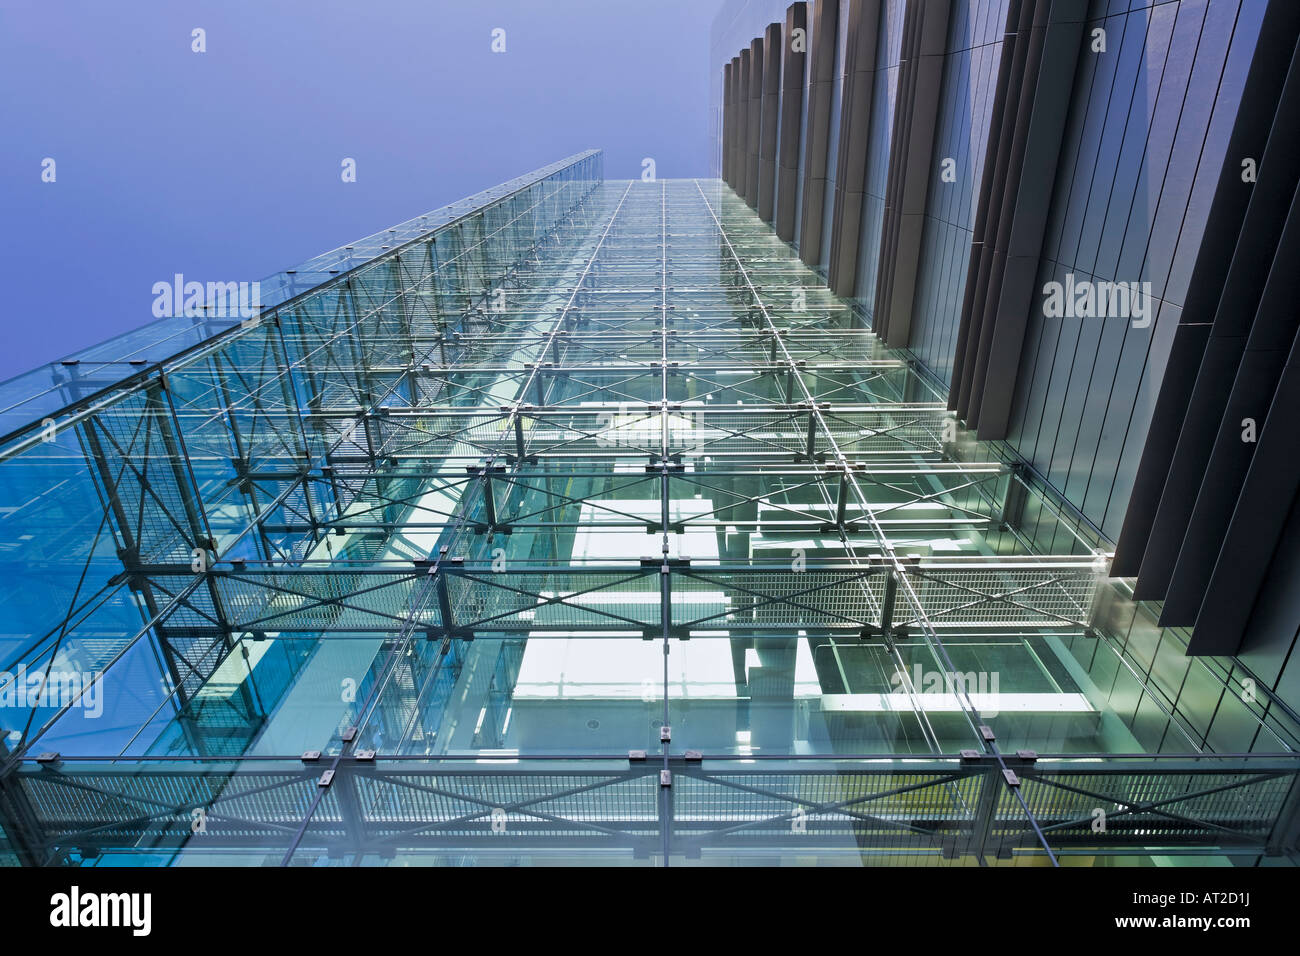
(225, 165)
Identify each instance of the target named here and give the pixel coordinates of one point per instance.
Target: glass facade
(577, 523)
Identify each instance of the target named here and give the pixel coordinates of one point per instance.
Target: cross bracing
(589, 460)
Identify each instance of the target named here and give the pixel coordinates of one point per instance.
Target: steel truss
(955, 809)
(416, 450)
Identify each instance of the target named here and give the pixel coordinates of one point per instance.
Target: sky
(226, 165)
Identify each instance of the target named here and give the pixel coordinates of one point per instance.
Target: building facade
(593, 521)
(1073, 217)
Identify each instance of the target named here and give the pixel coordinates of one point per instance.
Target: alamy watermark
(923, 681)
(22, 690)
(1088, 299)
(232, 300)
(76, 908)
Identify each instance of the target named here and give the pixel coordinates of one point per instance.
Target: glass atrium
(574, 523)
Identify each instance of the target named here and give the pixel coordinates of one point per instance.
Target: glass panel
(581, 523)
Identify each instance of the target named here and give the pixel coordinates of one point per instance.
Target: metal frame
(404, 454)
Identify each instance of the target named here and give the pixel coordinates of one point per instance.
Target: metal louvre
(473, 522)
